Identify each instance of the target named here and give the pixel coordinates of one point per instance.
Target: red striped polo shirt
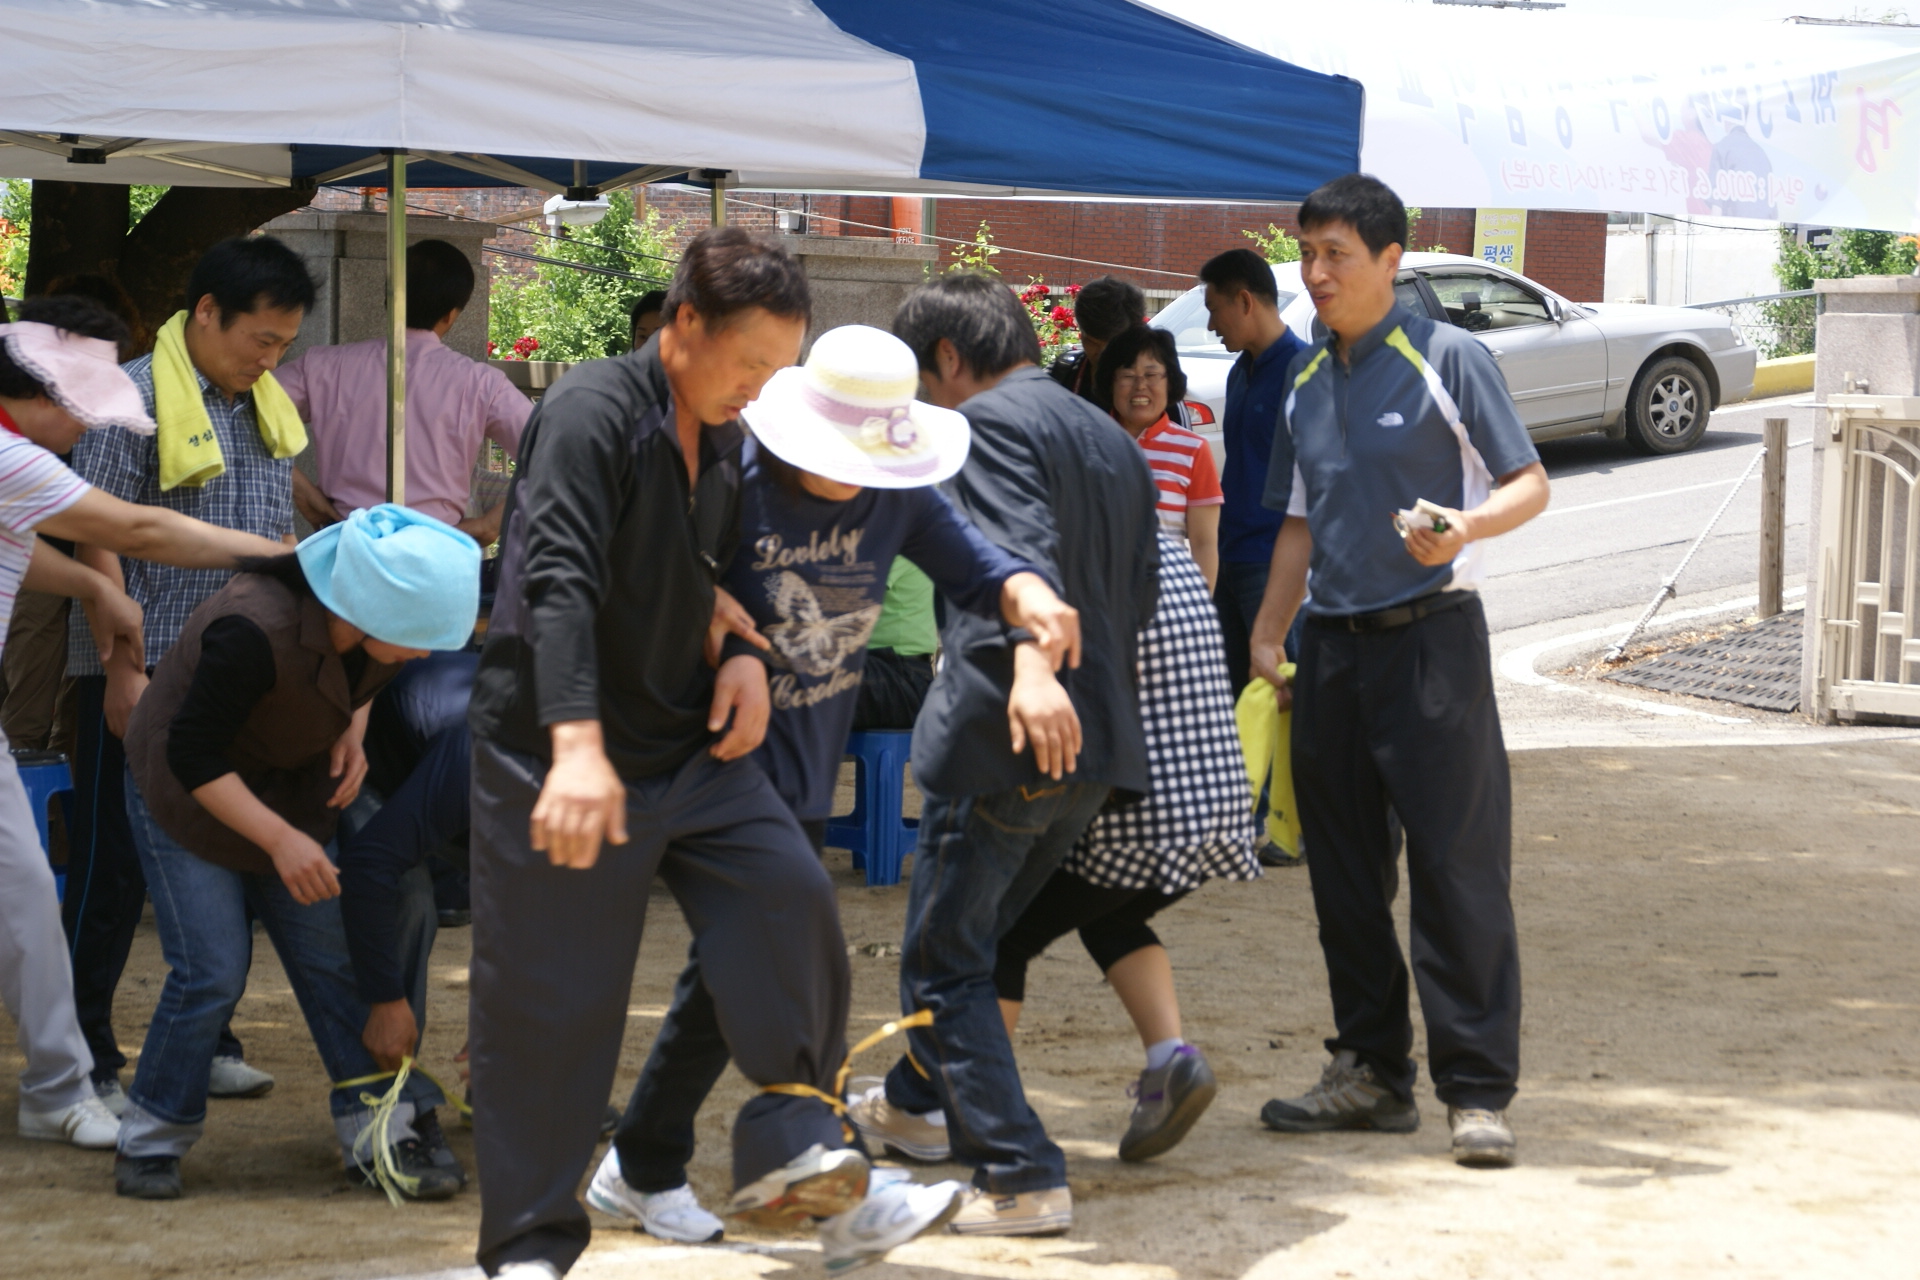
(1183, 472)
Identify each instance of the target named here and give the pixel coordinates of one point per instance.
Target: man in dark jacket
(1056, 483)
(594, 713)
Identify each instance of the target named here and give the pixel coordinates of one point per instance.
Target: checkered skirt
(1197, 823)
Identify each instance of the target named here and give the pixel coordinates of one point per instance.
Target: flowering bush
(566, 314)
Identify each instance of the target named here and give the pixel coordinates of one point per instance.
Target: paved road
(1620, 522)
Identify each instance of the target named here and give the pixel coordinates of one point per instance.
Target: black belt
(1398, 616)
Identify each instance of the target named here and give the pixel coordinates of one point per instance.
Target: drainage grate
(1755, 667)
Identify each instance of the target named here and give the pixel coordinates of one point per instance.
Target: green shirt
(906, 623)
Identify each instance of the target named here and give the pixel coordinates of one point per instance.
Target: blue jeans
(980, 862)
(201, 911)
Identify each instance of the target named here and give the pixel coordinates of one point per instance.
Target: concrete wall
(347, 253)
(1729, 258)
(858, 281)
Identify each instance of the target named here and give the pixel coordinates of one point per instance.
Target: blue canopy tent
(982, 97)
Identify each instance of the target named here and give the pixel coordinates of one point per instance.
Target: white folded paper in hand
(1424, 515)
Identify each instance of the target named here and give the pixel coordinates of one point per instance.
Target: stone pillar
(1867, 340)
(857, 280)
(347, 253)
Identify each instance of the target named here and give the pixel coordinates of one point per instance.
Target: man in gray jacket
(1055, 482)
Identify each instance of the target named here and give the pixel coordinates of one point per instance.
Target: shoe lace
(1337, 1079)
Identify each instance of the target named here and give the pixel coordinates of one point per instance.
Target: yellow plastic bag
(1265, 731)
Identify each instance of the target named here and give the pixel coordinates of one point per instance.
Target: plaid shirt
(254, 494)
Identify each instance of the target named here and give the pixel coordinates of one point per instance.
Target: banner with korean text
(1472, 108)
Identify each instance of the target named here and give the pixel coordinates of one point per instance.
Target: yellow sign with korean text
(1500, 237)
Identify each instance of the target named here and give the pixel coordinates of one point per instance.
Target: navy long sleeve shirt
(813, 573)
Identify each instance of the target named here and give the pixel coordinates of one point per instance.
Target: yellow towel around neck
(189, 449)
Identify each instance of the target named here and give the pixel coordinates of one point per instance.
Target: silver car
(1648, 375)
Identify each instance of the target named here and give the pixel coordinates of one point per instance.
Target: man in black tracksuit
(596, 718)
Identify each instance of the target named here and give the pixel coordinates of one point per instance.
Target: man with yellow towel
(223, 454)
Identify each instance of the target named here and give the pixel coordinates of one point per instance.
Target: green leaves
(581, 315)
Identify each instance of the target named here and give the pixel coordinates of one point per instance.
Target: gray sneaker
(1166, 1104)
(1481, 1139)
(1349, 1096)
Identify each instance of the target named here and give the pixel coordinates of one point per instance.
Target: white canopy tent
(581, 97)
(1479, 108)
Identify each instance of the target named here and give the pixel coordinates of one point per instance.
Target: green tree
(571, 314)
(16, 226)
(976, 254)
(1789, 322)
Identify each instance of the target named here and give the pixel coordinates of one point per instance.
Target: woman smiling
(1140, 377)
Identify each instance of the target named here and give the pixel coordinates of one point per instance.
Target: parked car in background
(1649, 375)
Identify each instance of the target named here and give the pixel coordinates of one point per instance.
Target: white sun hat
(849, 414)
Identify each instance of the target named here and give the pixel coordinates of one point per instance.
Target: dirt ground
(1721, 1039)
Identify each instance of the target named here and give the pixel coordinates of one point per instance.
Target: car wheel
(1668, 408)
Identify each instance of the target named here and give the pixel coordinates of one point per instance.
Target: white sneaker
(233, 1078)
(669, 1215)
(817, 1183)
(891, 1215)
(111, 1095)
(541, 1270)
(87, 1123)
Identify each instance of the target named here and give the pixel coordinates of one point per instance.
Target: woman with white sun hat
(839, 481)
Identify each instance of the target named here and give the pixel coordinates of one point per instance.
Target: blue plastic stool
(44, 774)
(874, 833)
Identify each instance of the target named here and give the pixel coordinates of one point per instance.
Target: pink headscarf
(82, 375)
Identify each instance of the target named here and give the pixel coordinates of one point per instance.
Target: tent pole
(397, 327)
(720, 199)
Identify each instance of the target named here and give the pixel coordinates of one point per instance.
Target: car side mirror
(1469, 302)
(1555, 311)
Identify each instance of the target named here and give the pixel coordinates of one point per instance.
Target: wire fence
(1779, 324)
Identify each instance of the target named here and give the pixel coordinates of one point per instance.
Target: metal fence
(1779, 324)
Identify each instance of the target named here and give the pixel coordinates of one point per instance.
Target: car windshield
(1186, 319)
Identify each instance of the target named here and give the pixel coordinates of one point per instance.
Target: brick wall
(1567, 252)
(1157, 246)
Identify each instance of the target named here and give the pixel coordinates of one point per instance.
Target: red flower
(1073, 290)
(524, 347)
(492, 347)
(1062, 317)
(1033, 292)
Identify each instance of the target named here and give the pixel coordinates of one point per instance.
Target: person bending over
(240, 756)
(1049, 480)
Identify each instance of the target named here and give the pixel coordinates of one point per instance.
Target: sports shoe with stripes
(1349, 1096)
(817, 1183)
(1482, 1139)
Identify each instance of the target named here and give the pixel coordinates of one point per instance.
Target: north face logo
(1392, 420)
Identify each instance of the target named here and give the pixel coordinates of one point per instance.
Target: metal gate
(1869, 556)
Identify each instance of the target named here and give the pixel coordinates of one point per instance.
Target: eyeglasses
(1157, 375)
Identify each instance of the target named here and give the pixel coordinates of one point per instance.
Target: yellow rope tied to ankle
(371, 1150)
(837, 1100)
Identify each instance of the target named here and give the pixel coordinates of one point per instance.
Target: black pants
(655, 1137)
(1112, 924)
(106, 890)
(1406, 718)
(893, 688)
(553, 956)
